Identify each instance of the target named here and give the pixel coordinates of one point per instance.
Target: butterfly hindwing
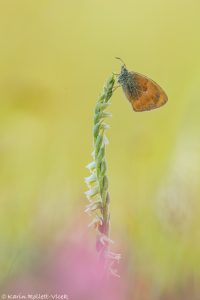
(143, 93)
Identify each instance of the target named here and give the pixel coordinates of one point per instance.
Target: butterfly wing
(143, 93)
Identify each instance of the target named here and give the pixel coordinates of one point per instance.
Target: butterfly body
(143, 93)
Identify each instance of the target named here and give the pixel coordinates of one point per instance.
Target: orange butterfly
(143, 93)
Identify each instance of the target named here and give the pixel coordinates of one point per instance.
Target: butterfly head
(123, 76)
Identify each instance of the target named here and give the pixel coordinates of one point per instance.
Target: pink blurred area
(72, 269)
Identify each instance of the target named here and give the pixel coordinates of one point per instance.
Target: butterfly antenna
(121, 60)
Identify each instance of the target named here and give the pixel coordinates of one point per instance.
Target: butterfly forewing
(145, 94)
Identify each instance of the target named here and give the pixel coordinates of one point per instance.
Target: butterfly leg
(116, 87)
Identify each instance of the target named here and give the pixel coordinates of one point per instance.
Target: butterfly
(143, 93)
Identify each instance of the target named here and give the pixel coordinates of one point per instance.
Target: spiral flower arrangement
(97, 182)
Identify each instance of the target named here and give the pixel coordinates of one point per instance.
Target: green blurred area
(54, 59)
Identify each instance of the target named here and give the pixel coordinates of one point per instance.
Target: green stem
(97, 182)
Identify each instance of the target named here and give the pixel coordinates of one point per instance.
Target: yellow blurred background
(54, 59)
